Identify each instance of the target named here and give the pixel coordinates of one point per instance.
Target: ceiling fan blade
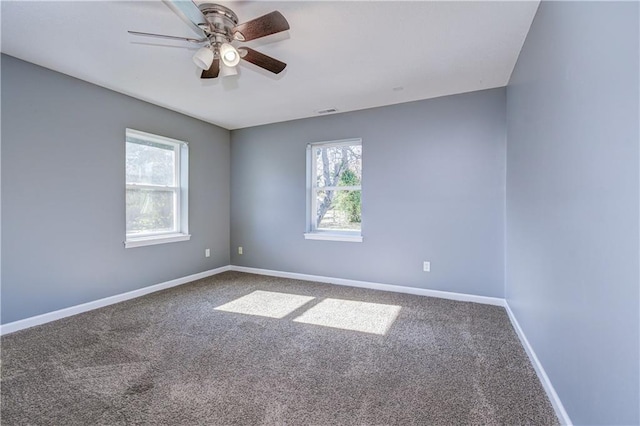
(191, 40)
(213, 70)
(262, 60)
(268, 24)
(189, 10)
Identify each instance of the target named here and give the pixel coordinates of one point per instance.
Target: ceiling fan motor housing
(221, 20)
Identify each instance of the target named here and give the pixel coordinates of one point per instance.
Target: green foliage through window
(349, 201)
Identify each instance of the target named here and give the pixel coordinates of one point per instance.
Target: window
(156, 189)
(334, 173)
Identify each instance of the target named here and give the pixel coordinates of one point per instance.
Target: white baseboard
(542, 375)
(73, 310)
(374, 286)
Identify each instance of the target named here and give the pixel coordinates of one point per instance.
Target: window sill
(155, 239)
(352, 238)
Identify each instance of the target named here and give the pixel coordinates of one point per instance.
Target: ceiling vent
(327, 111)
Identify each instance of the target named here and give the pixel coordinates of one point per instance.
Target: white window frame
(312, 232)
(180, 189)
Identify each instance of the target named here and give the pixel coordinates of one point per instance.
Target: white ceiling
(342, 54)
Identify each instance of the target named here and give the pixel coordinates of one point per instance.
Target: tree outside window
(336, 187)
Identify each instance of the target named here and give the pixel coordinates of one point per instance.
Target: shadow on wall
(365, 317)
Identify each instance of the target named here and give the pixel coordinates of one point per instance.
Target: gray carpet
(246, 349)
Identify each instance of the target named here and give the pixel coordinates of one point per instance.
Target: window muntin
(156, 190)
(334, 190)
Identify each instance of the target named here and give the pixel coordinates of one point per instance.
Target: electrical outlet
(207, 252)
(239, 250)
(426, 266)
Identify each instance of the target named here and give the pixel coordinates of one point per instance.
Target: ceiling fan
(219, 28)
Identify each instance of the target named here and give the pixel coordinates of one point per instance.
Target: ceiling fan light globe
(226, 71)
(203, 58)
(229, 54)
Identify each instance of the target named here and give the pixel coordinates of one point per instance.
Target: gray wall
(572, 204)
(433, 189)
(63, 220)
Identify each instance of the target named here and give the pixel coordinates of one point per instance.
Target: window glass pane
(150, 163)
(338, 210)
(150, 210)
(338, 165)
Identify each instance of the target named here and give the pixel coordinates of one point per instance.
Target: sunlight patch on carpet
(266, 304)
(374, 318)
